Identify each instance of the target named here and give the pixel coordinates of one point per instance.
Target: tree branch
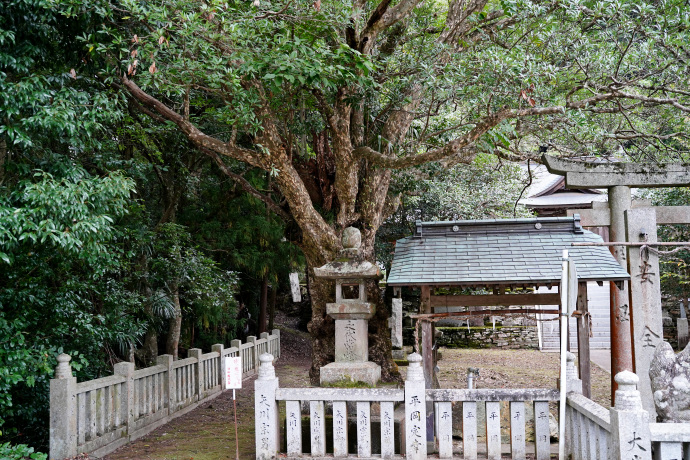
(198, 138)
(246, 186)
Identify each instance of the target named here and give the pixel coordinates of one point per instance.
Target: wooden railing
(98, 416)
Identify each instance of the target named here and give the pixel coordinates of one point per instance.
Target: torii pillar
(636, 325)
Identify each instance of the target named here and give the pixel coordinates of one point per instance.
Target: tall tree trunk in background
(263, 307)
(174, 324)
(272, 306)
(3, 158)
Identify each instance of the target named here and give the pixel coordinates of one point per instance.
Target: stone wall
(513, 337)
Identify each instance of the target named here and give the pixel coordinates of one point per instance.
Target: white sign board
(294, 287)
(233, 372)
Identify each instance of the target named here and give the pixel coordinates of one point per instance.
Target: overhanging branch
(246, 186)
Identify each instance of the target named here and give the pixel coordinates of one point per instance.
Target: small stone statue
(670, 376)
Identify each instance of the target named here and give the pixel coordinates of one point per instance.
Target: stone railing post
(415, 409)
(266, 410)
(63, 410)
(126, 370)
(276, 334)
(218, 348)
(255, 353)
(170, 388)
(199, 387)
(236, 344)
(630, 435)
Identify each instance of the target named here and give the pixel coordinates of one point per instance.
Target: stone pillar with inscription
(266, 410)
(351, 312)
(630, 434)
(415, 410)
(645, 293)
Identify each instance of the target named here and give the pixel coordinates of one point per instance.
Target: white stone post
(167, 361)
(126, 370)
(630, 436)
(199, 374)
(415, 409)
(266, 410)
(218, 348)
(63, 410)
(573, 384)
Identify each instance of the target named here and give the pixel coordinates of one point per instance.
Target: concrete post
(630, 435)
(167, 360)
(221, 377)
(682, 324)
(199, 374)
(266, 410)
(126, 370)
(621, 343)
(415, 410)
(63, 410)
(396, 323)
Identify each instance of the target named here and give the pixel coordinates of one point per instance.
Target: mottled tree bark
(263, 305)
(174, 325)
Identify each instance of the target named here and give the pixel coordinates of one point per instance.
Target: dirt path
(207, 433)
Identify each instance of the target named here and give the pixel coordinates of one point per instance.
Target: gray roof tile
(499, 251)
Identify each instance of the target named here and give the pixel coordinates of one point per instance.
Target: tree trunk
(272, 306)
(263, 306)
(174, 326)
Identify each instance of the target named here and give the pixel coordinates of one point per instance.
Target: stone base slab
(368, 372)
(350, 309)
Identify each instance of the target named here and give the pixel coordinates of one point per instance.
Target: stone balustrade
(98, 416)
(373, 423)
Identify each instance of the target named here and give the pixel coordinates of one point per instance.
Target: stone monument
(351, 314)
(670, 377)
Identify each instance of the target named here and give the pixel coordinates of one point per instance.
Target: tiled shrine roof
(499, 252)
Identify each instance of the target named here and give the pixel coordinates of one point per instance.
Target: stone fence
(98, 416)
(373, 423)
(507, 337)
(623, 431)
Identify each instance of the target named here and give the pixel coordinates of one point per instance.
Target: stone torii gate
(636, 324)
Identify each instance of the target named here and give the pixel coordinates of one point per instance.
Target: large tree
(331, 97)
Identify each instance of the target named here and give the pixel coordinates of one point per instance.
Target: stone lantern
(351, 314)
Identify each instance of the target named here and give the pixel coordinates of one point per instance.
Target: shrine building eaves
(483, 253)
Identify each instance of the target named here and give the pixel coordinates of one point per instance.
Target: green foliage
(206, 292)
(72, 213)
(20, 452)
(485, 189)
